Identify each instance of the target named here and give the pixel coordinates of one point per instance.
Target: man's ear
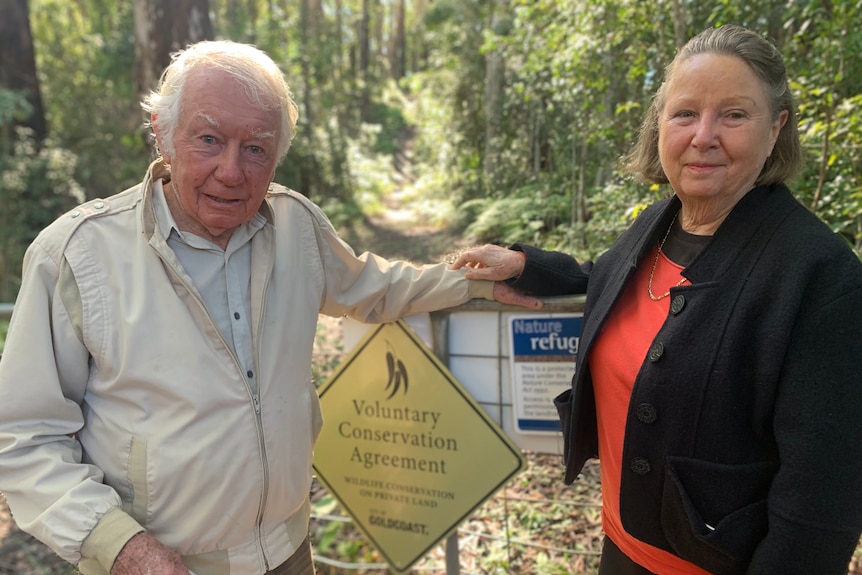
(154, 122)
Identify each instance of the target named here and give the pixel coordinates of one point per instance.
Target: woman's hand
(504, 293)
(494, 263)
(490, 262)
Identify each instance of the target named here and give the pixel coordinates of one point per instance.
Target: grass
(534, 525)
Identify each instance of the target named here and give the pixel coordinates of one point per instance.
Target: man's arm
(373, 289)
(43, 375)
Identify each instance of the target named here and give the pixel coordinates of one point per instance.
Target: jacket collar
(752, 220)
(756, 216)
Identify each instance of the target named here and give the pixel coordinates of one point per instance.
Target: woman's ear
(776, 128)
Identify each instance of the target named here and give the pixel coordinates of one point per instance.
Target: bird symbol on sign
(397, 373)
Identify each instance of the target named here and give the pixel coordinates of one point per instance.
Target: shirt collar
(167, 225)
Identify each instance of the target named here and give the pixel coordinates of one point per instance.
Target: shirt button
(640, 465)
(646, 413)
(677, 304)
(99, 205)
(236, 315)
(656, 351)
(76, 213)
(250, 374)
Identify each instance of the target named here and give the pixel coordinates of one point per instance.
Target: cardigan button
(640, 465)
(677, 304)
(646, 413)
(655, 352)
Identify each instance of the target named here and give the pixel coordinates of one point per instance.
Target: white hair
(261, 80)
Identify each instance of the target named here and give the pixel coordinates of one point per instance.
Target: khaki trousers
(300, 563)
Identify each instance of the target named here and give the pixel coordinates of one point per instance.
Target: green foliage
(14, 107)
(578, 75)
(326, 534)
(37, 184)
(4, 328)
(832, 182)
(392, 124)
(539, 215)
(829, 92)
(612, 209)
(525, 215)
(440, 13)
(455, 72)
(328, 351)
(85, 60)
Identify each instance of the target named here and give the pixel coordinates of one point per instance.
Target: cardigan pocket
(563, 403)
(714, 515)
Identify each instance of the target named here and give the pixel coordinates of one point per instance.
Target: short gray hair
(766, 62)
(261, 79)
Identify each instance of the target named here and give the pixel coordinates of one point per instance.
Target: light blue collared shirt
(221, 277)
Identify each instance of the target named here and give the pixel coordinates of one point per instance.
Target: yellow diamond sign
(404, 448)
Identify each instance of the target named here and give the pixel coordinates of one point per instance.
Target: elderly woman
(719, 381)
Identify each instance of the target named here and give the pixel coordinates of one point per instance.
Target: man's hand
(504, 293)
(494, 263)
(143, 554)
(490, 262)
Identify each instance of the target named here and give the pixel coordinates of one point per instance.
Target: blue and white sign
(542, 352)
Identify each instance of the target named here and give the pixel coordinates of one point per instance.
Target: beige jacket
(122, 408)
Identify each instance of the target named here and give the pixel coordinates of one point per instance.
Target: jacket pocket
(138, 480)
(714, 515)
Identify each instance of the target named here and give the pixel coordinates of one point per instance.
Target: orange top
(615, 361)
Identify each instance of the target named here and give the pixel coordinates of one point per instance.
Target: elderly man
(156, 407)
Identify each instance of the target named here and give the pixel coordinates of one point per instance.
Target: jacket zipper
(255, 400)
(257, 409)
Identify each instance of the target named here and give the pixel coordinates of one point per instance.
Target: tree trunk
(18, 63)
(824, 155)
(494, 83)
(163, 27)
(396, 50)
(338, 69)
(579, 187)
(308, 169)
(418, 51)
(365, 60)
(378, 15)
(306, 32)
(679, 27)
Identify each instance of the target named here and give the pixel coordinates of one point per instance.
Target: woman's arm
(527, 269)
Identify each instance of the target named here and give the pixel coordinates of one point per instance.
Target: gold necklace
(652, 296)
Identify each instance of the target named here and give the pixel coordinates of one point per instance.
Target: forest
(515, 112)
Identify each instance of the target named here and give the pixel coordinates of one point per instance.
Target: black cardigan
(744, 430)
